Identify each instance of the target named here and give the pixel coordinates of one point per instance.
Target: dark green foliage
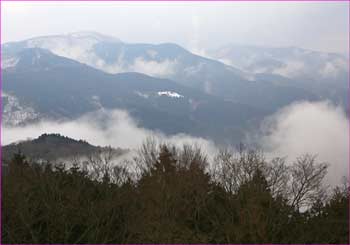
(174, 200)
(50, 147)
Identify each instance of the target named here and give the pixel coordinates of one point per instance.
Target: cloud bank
(114, 128)
(315, 128)
(318, 128)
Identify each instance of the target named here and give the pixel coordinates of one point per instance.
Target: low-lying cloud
(291, 69)
(154, 68)
(114, 128)
(317, 128)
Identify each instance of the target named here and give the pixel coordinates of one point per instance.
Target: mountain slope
(163, 61)
(67, 89)
(324, 74)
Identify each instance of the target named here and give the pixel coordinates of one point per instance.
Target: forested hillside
(50, 147)
(174, 195)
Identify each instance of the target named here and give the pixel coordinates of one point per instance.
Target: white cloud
(333, 68)
(291, 69)
(80, 48)
(316, 128)
(115, 128)
(154, 68)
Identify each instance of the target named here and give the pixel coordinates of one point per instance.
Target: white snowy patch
(9, 62)
(14, 113)
(170, 94)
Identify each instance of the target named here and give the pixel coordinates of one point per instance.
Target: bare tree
(120, 175)
(145, 157)
(101, 163)
(190, 154)
(278, 176)
(234, 168)
(306, 180)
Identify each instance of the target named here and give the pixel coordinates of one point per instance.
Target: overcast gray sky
(197, 26)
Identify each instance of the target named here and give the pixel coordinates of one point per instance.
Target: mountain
(165, 60)
(114, 56)
(55, 87)
(324, 74)
(51, 147)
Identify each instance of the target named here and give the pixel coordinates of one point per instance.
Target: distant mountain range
(324, 74)
(163, 61)
(56, 87)
(65, 76)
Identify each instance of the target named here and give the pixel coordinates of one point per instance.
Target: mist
(104, 128)
(319, 128)
(203, 25)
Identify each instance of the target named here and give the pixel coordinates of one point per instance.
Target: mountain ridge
(50, 147)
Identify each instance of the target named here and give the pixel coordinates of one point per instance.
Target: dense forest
(168, 194)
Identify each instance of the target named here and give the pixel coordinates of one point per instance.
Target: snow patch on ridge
(9, 62)
(170, 94)
(14, 113)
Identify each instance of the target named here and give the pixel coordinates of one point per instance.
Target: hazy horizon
(321, 26)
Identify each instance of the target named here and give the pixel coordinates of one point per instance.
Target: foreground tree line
(173, 195)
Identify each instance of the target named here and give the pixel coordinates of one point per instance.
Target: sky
(198, 26)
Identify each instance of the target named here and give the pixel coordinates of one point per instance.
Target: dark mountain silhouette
(50, 147)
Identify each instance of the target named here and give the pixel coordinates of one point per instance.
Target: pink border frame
(163, 1)
(175, 1)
